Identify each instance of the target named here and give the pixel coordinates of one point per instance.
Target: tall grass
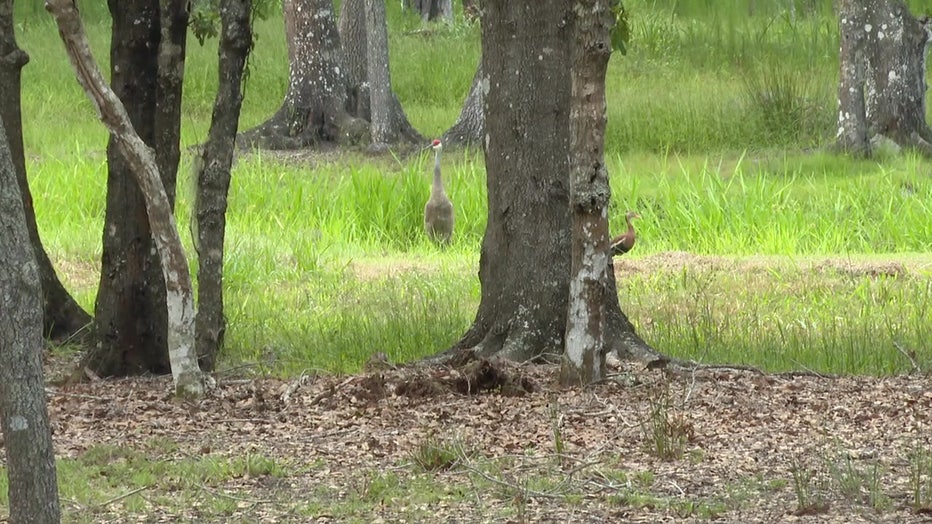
(327, 263)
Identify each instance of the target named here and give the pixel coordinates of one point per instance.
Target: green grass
(106, 481)
(715, 117)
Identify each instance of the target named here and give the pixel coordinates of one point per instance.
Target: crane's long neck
(630, 225)
(437, 187)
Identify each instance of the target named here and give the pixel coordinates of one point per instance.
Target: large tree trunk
(63, 318)
(24, 420)
(131, 314)
(213, 178)
(524, 262)
(524, 266)
(315, 106)
(469, 129)
(883, 59)
(584, 358)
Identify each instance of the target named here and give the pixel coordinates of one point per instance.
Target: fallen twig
(123, 496)
(899, 347)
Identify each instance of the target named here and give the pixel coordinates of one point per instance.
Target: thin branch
(899, 347)
(123, 496)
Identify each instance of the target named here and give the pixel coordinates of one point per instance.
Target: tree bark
(431, 10)
(524, 262)
(130, 312)
(24, 421)
(315, 106)
(355, 52)
(584, 356)
(469, 129)
(852, 116)
(388, 122)
(143, 165)
(524, 265)
(213, 178)
(63, 319)
(883, 49)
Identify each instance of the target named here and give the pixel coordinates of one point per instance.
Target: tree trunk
(469, 129)
(213, 178)
(142, 164)
(389, 124)
(63, 318)
(355, 53)
(431, 10)
(584, 357)
(852, 117)
(315, 106)
(524, 261)
(131, 312)
(329, 90)
(524, 266)
(24, 420)
(883, 49)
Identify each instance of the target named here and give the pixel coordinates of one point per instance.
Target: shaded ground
(399, 445)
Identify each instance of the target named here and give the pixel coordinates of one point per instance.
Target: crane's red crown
(435, 143)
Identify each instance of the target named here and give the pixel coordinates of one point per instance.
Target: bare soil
(531, 451)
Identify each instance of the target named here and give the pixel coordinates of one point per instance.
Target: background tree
(469, 128)
(146, 72)
(524, 266)
(431, 10)
(30, 459)
(63, 318)
(882, 85)
(328, 96)
(213, 177)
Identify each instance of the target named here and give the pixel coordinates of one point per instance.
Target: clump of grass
(859, 484)
(666, 429)
(809, 497)
(920, 479)
(434, 454)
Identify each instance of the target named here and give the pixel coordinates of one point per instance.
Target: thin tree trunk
(852, 116)
(584, 357)
(380, 83)
(213, 179)
(24, 420)
(388, 122)
(63, 319)
(179, 293)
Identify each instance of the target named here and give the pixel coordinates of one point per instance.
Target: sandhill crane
(625, 241)
(438, 212)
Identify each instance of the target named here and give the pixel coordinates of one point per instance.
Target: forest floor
(498, 443)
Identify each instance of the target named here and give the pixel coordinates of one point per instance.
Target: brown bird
(625, 241)
(438, 212)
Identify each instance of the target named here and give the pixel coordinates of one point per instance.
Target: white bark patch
(868, 28)
(18, 423)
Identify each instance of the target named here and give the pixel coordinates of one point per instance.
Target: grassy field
(715, 119)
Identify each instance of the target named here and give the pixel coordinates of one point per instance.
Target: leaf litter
(519, 448)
